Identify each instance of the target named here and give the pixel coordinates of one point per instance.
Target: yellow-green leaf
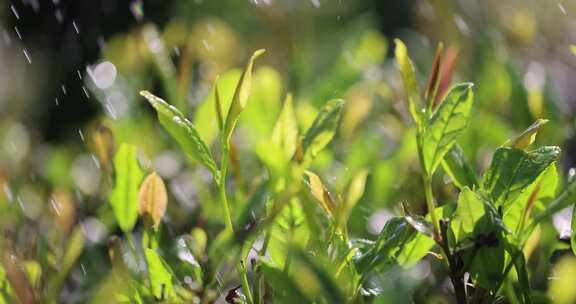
(124, 196)
(409, 79)
(152, 199)
(529, 135)
(285, 132)
(320, 193)
(159, 274)
(183, 131)
(321, 132)
(240, 98)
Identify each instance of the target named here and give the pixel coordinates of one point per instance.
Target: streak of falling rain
(562, 8)
(85, 92)
(25, 51)
(316, 3)
(75, 27)
(83, 269)
(63, 89)
(56, 205)
(110, 110)
(81, 135)
(96, 162)
(17, 32)
(57, 103)
(15, 12)
(8, 192)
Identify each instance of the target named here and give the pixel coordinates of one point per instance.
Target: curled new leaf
(446, 124)
(321, 132)
(152, 199)
(434, 78)
(183, 131)
(409, 79)
(529, 135)
(124, 196)
(240, 98)
(320, 193)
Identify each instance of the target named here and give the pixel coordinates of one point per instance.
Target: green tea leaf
(283, 285)
(459, 168)
(183, 131)
(285, 133)
(159, 274)
(395, 233)
(434, 78)
(289, 229)
(446, 124)
(468, 214)
(124, 196)
(517, 257)
(529, 135)
(326, 281)
(320, 193)
(240, 98)
(321, 132)
(513, 170)
(410, 83)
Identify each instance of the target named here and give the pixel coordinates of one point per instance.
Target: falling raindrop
(95, 159)
(83, 269)
(56, 205)
(17, 32)
(75, 27)
(57, 103)
(14, 12)
(81, 135)
(63, 89)
(177, 51)
(85, 92)
(79, 74)
(561, 7)
(25, 51)
(8, 192)
(316, 3)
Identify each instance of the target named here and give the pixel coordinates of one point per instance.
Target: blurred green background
(70, 73)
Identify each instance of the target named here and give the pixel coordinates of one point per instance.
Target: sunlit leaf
(183, 131)
(529, 135)
(446, 124)
(124, 196)
(240, 98)
(353, 195)
(152, 199)
(285, 133)
(320, 193)
(409, 79)
(159, 274)
(321, 132)
(513, 170)
(290, 229)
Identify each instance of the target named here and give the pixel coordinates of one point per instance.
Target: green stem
(431, 205)
(240, 268)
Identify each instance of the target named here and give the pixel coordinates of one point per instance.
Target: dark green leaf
(446, 124)
(124, 196)
(183, 131)
(459, 168)
(513, 170)
(283, 285)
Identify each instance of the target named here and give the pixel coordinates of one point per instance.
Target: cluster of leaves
(285, 238)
